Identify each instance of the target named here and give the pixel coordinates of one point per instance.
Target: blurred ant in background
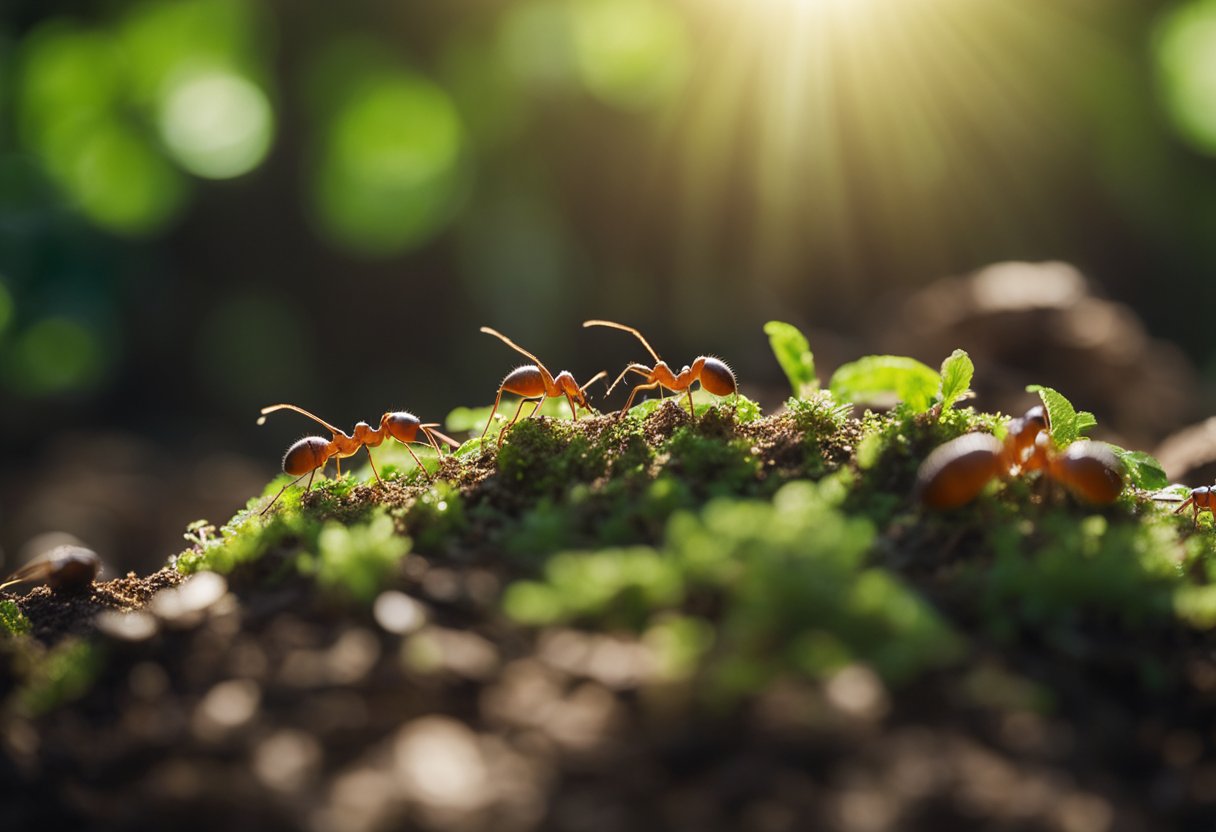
(954, 473)
(63, 569)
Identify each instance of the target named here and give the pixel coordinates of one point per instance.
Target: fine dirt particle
(53, 615)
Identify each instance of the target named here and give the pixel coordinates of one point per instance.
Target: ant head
(566, 383)
(309, 454)
(401, 425)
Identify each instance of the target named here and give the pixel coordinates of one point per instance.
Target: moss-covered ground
(649, 621)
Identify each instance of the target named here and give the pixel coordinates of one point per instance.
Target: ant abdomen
(526, 381)
(1090, 470)
(717, 378)
(305, 456)
(957, 471)
(402, 426)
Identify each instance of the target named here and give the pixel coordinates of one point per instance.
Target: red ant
(65, 568)
(957, 471)
(713, 373)
(1199, 499)
(534, 381)
(310, 454)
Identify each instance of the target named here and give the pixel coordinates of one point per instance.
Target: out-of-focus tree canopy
(207, 205)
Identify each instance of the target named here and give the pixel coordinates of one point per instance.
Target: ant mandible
(310, 454)
(955, 472)
(713, 373)
(534, 381)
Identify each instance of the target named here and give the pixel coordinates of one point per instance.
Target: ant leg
(502, 434)
(338, 465)
(276, 496)
(497, 401)
(418, 462)
(629, 403)
(372, 463)
(573, 411)
(310, 476)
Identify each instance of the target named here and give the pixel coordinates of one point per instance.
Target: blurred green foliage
(248, 193)
(12, 622)
(790, 577)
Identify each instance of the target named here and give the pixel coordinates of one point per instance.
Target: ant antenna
(637, 368)
(431, 434)
(601, 374)
(272, 408)
(488, 331)
(624, 328)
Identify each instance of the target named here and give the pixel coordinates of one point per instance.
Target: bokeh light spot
(389, 176)
(6, 308)
(161, 41)
(536, 44)
(120, 181)
(631, 53)
(56, 355)
(1186, 56)
(68, 78)
(217, 125)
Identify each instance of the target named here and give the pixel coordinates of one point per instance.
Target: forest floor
(652, 621)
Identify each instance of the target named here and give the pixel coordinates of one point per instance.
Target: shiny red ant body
(954, 473)
(310, 454)
(1199, 499)
(713, 373)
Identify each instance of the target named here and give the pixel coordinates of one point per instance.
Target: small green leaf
(1066, 423)
(874, 375)
(1143, 469)
(957, 371)
(794, 355)
(1085, 421)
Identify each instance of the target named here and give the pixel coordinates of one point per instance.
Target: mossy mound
(655, 620)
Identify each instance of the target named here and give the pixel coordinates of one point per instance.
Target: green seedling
(794, 355)
(1067, 424)
(956, 373)
(874, 377)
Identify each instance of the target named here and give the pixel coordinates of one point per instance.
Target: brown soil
(274, 708)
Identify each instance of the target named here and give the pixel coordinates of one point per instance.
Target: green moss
(356, 560)
(789, 578)
(12, 622)
(544, 456)
(64, 673)
(247, 537)
(1064, 573)
(437, 517)
(710, 465)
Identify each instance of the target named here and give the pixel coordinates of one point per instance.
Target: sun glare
(841, 116)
